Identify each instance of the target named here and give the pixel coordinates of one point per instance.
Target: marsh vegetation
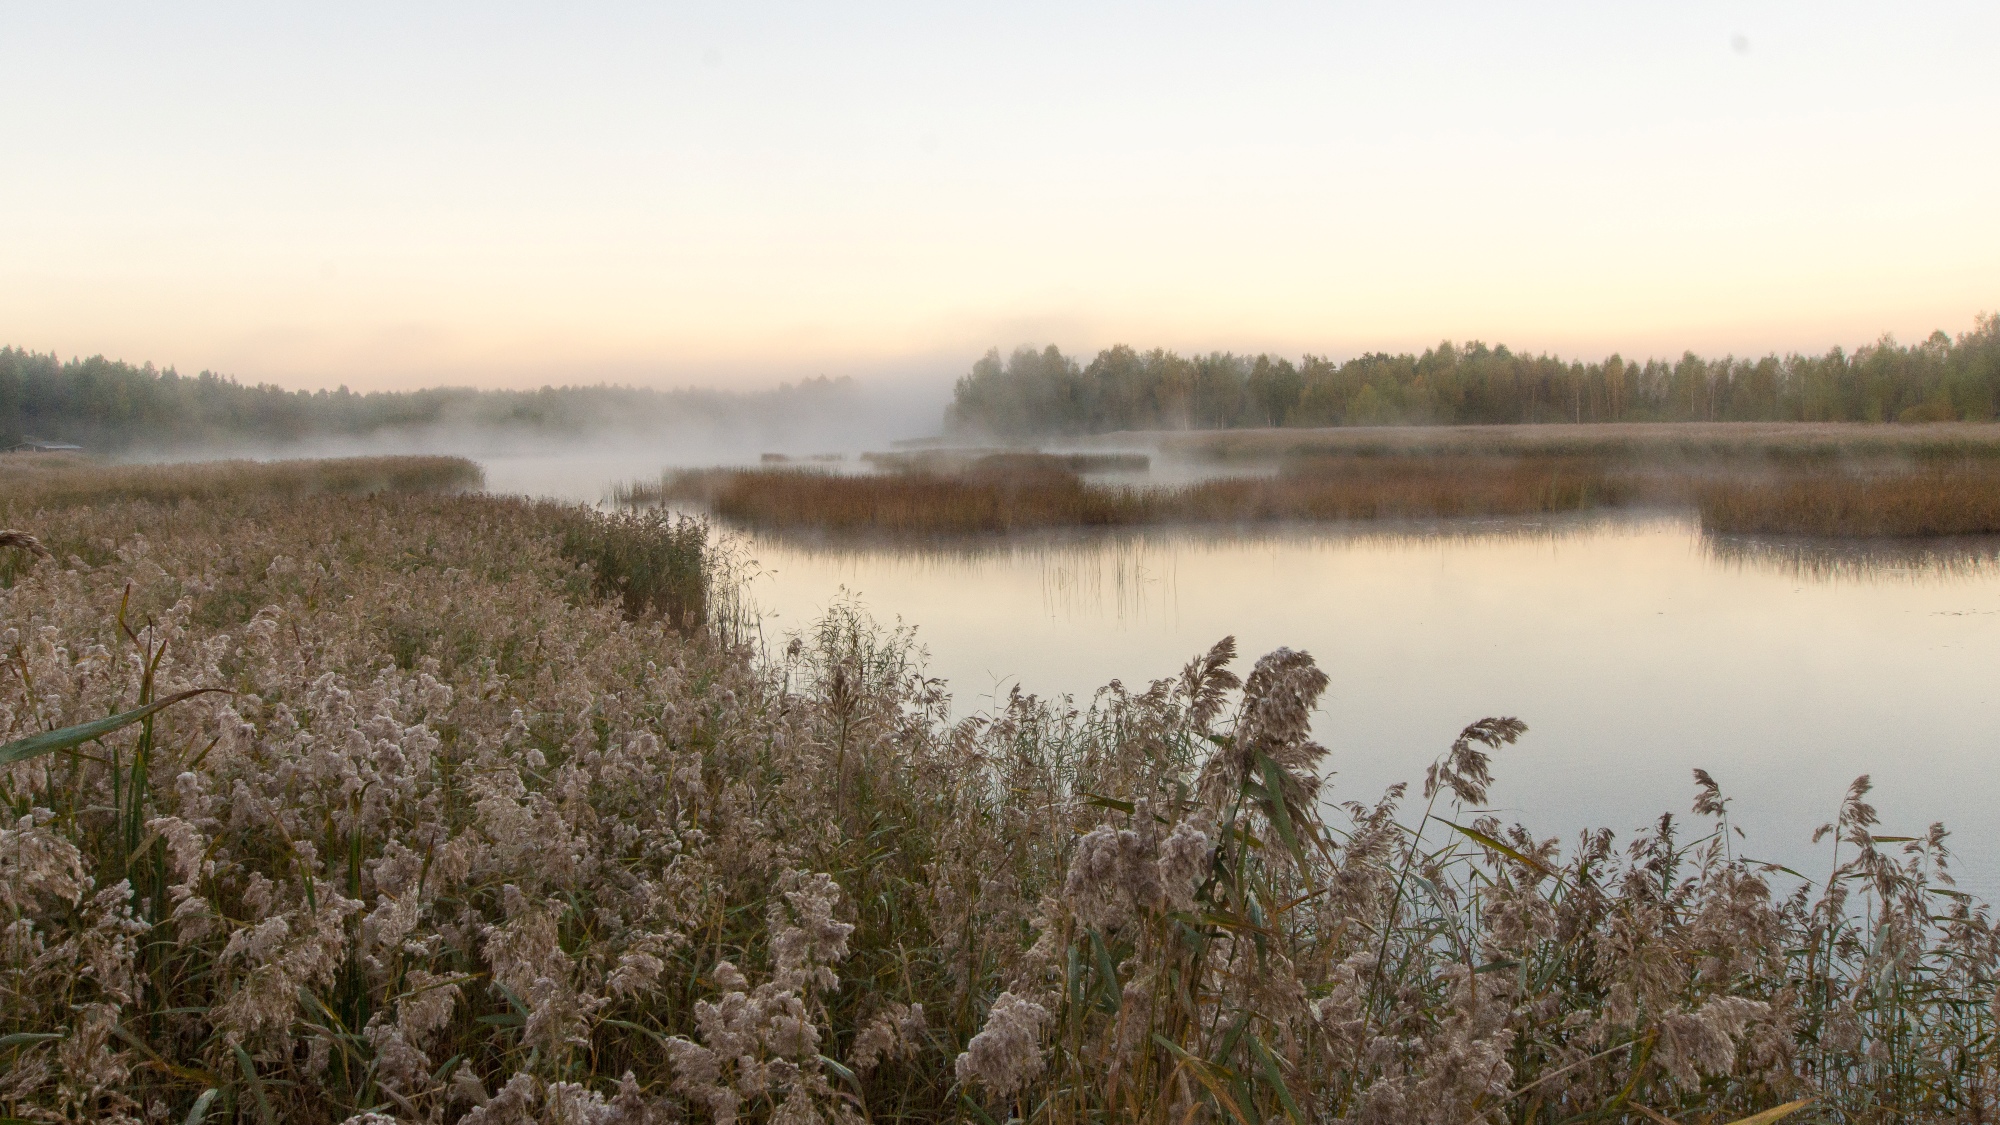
(477, 829)
(1815, 483)
(43, 480)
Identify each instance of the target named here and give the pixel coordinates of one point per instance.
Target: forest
(1046, 392)
(109, 405)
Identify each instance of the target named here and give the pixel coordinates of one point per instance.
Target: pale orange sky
(735, 195)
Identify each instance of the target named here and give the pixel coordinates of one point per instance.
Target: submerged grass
(468, 839)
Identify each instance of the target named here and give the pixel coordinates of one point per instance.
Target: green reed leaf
(1274, 1078)
(1489, 842)
(1281, 816)
(1110, 995)
(974, 1107)
(1205, 1073)
(48, 742)
(256, 1085)
(1103, 802)
(199, 1113)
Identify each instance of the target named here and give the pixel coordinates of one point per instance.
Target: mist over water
(580, 457)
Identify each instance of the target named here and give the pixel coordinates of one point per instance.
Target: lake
(1635, 648)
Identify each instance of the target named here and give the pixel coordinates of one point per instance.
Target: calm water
(1635, 649)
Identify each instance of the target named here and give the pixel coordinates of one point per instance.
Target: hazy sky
(402, 194)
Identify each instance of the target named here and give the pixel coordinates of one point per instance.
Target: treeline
(1047, 392)
(106, 404)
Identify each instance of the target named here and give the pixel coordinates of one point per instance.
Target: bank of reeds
(1001, 498)
(466, 841)
(1937, 496)
(1960, 500)
(956, 460)
(1650, 443)
(35, 480)
(1022, 492)
(1370, 488)
(648, 561)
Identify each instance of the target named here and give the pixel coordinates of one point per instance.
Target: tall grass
(56, 480)
(953, 460)
(1959, 500)
(1775, 443)
(1845, 496)
(1008, 494)
(912, 503)
(1365, 488)
(648, 561)
(468, 841)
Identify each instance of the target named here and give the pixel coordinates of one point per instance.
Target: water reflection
(1124, 570)
(1635, 647)
(1127, 574)
(1834, 560)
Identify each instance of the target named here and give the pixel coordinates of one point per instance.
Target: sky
(398, 195)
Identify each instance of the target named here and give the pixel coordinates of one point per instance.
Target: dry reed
(957, 460)
(1962, 500)
(56, 480)
(1643, 442)
(1000, 494)
(1931, 495)
(468, 842)
(22, 541)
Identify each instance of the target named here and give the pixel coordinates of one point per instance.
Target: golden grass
(1824, 485)
(922, 503)
(1963, 500)
(955, 460)
(1020, 492)
(1776, 442)
(1349, 487)
(39, 480)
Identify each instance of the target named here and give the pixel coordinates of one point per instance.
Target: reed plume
(21, 540)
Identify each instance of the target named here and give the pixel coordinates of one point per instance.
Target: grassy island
(1832, 481)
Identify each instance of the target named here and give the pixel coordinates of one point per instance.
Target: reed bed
(1775, 443)
(1937, 496)
(1962, 500)
(1003, 494)
(1353, 487)
(911, 503)
(37, 480)
(469, 837)
(955, 460)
